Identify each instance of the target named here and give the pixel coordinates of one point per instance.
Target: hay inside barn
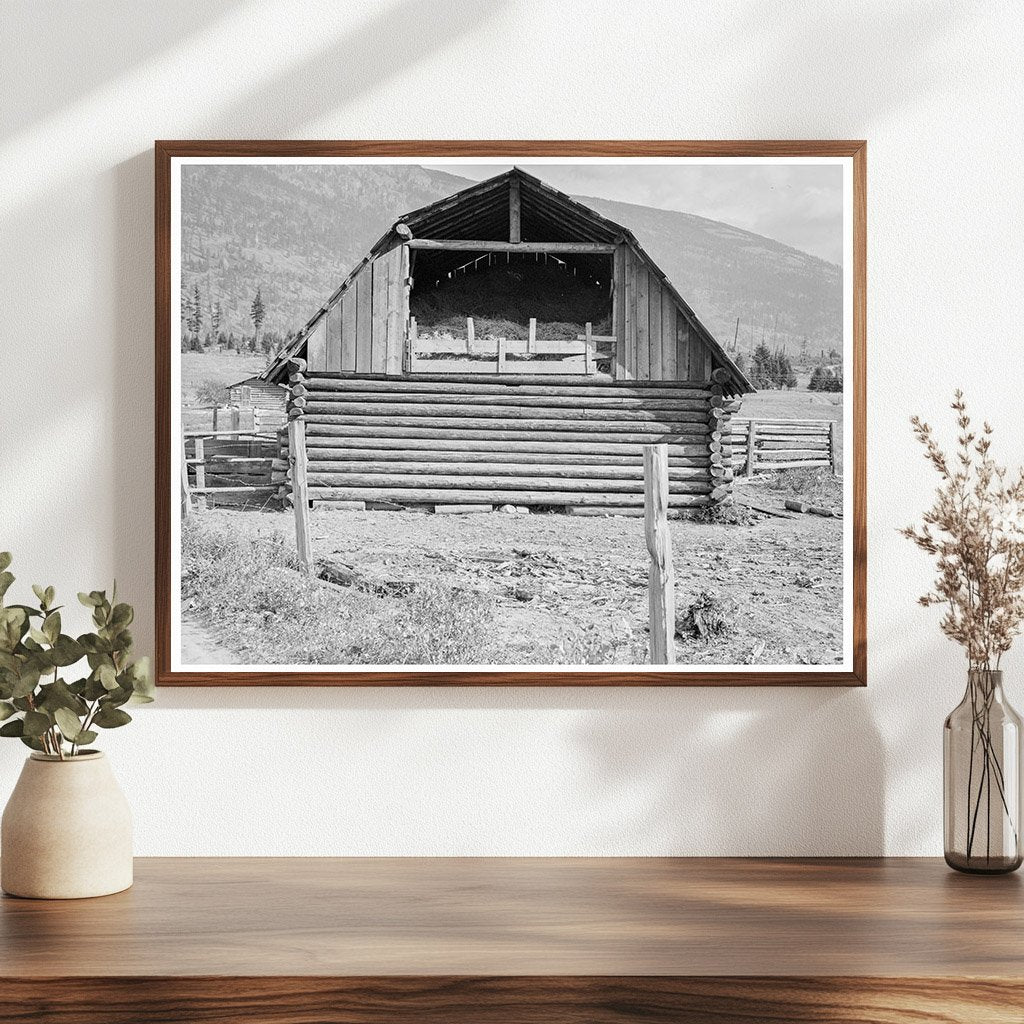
(503, 292)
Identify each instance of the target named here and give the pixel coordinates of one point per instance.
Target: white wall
(937, 90)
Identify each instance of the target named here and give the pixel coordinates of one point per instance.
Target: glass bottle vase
(981, 771)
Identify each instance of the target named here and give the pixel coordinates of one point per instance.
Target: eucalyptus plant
(38, 704)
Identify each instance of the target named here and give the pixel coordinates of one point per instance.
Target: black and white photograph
(487, 412)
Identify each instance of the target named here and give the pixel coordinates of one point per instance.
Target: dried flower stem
(975, 531)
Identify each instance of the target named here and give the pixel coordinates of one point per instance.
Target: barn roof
(480, 212)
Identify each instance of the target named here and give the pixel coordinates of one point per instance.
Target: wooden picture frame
(853, 673)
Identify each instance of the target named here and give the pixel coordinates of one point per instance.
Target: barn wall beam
(514, 210)
(475, 245)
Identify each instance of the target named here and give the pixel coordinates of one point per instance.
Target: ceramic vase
(66, 831)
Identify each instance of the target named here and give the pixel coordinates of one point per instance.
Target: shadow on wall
(737, 770)
(347, 67)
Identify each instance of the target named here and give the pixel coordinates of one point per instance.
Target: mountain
(725, 272)
(297, 230)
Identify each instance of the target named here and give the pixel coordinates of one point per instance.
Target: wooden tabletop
(304, 941)
(689, 917)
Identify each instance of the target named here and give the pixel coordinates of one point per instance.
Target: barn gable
(516, 220)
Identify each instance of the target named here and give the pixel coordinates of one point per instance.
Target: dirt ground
(552, 575)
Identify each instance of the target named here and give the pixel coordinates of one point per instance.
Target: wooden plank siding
(668, 336)
(363, 285)
(643, 323)
(394, 319)
(619, 312)
(316, 347)
(683, 348)
(335, 327)
(379, 316)
(630, 280)
(655, 338)
(655, 341)
(348, 331)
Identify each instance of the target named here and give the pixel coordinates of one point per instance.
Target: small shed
(257, 393)
(508, 344)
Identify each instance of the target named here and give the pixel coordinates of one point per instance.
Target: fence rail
(508, 355)
(229, 466)
(769, 444)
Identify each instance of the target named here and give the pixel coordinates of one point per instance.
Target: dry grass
(202, 372)
(815, 486)
(504, 590)
(272, 617)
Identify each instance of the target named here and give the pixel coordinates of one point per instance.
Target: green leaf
(107, 676)
(50, 595)
(69, 724)
(6, 710)
(31, 741)
(142, 682)
(115, 698)
(59, 695)
(36, 723)
(94, 689)
(86, 736)
(40, 593)
(13, 624)
(66, 651)
(5, 560)
(13, 728)
(122, 616)
(89, 600)
(27, 682)
(96, 646)
(111, 718)
(6, 579)
(51, 626)
(38, 635)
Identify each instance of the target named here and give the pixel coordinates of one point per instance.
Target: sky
(798, 204)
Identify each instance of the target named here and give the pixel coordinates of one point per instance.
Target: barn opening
(503, 291)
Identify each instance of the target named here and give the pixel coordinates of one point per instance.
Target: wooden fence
(555, 356)
(483, 441)
(251, 419)
(230, 467)
(784, 444)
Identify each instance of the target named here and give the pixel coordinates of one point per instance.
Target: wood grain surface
(569, 940)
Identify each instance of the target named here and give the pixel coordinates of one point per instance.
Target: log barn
(509, 345)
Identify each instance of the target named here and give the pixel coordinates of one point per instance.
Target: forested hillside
(295, 231)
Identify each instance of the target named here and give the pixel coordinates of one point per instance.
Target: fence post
(411, 346)
(501, 356)
(589, 354)
(531, 341)
(298, 464)
(186, 497)
(200, 473)
(751, 441)
(661, 579)
(470, 336)
(236, 421)
(833, 447)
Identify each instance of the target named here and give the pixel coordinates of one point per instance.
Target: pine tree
(258, 313)
(215, 317)
(195, 320)
(761, 367)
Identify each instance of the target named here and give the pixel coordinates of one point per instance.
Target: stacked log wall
(491, 440)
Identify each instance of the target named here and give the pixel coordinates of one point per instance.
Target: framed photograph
(493, 413)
